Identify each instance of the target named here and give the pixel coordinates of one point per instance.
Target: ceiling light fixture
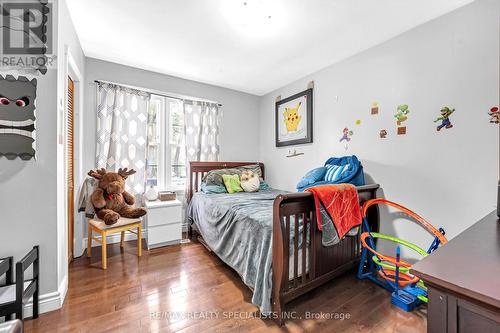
(254, 18)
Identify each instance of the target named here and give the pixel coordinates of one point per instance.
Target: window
(166, 154)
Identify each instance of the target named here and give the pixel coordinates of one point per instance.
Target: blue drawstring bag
(339, 170)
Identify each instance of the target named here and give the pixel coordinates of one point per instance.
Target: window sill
(173, 188)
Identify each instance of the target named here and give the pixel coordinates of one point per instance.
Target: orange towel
(342, 204)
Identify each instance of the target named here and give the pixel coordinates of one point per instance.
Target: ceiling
(254, 46)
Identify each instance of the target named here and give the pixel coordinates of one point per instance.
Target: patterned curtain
(202, 126)
(122, 115)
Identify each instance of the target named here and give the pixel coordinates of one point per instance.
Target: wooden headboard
(198, 170)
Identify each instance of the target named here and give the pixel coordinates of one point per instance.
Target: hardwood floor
(185, 288)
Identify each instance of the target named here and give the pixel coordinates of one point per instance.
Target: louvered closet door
(70, 167)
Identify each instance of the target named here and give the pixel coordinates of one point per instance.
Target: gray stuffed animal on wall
(17, 117)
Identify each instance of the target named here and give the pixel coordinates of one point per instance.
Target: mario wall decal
(346, 137)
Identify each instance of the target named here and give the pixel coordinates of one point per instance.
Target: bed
(270, 238)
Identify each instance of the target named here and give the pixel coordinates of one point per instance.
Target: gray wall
(449, 177)
(28, 198)
(32, 210)
(68, 46)
(240, 127)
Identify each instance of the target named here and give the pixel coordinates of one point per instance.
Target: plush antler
(97, 174)
(125, 173)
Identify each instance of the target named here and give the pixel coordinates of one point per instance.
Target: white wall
(448, 177)
(240, 127)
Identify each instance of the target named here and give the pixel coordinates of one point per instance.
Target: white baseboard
(113, 239)
(48, 302)
(63, 289)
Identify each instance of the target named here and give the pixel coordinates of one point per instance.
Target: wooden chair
(6, 269)
(122, 225)
(14, 296)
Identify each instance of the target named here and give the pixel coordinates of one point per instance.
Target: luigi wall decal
(494, 115)
(401, 116)
(444, 118)
(346, 137)
(17, 117)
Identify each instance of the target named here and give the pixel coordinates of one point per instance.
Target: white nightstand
(163, 223)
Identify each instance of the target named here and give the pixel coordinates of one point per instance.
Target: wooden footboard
(318, 264)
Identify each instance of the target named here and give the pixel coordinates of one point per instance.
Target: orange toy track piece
(389, 274)
(382, 257)
(417, 217)
(404, 279)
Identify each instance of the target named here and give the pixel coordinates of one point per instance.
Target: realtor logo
(26, 35)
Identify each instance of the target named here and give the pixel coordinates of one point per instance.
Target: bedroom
(371, 80)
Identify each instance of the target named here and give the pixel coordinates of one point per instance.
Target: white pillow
(249, 181)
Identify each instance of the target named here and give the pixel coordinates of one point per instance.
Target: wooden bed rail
(300, 261)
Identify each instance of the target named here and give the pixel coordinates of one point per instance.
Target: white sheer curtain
(122, 115)
(202, 126)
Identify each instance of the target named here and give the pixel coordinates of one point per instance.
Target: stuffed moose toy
(110, 200)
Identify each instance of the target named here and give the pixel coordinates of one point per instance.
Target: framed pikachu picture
(294, 119)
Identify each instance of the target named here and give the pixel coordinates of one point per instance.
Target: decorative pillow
(313, 176)
(333, 172)
(232, 183)
(264, 186)
(214, 177)
(212, 188)
(249, 181)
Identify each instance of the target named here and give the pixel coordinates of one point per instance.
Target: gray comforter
(238, 227)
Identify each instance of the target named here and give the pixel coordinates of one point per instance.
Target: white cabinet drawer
(164, 215)
(162, 234)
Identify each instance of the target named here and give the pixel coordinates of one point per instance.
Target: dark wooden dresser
(463, 278)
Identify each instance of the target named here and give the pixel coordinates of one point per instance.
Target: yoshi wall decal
(401, 116)
(17, 117)
(494, 115)
(444, 118)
